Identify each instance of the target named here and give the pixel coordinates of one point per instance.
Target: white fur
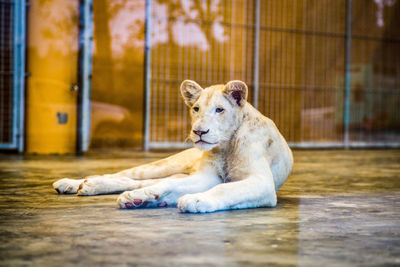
(239, 161)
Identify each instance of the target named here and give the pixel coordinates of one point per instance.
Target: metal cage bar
(147, 74)
(256, 52)
(347, 75)
(84, 74)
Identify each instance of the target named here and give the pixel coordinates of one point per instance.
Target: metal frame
(169, 145)
(19, 73)
(341, 145)
(19, 15)
(347, 76)
(147, 75)
(256, 52)
(84, 74)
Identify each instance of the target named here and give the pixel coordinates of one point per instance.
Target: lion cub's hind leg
(99, 185)
(103, 185)
(186, 161)
(167, 191)
(177, 165)
(67, 186)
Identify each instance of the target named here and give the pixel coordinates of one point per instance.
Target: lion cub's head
(214, 110)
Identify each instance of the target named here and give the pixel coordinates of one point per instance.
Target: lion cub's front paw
(95, 185)
(140, 198)
(196, 203)
(67, 186)
(89, 187)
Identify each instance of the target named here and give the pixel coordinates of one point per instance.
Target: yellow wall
(52, 64)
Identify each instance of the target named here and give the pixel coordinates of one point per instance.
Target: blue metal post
(19, 74)
(256, 51)
(85, 73)
(147, 75)
(347, 77)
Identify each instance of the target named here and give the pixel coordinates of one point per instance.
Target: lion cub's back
(263, 134)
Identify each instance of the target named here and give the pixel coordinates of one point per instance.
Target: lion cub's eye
(196, 109)
(219, 110)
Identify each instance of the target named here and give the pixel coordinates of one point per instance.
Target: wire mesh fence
(210, 42)
(298, 51)
(12, 47)
(6, 71)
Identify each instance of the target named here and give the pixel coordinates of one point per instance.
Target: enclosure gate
(327, 72)
(12, 67)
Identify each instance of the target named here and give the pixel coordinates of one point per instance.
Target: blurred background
(82, 75)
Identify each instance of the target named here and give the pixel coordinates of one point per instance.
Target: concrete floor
(338, 208)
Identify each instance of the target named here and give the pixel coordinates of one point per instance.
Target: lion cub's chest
(249, 142)
(227, 167)
(222, 168)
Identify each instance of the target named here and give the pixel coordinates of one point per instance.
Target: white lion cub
(239, 161)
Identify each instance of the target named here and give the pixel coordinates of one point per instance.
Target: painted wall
(52, 63)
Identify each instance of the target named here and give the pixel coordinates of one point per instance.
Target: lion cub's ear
(236, 91)
(190, 91)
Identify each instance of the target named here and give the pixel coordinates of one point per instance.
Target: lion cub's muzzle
(199, 137)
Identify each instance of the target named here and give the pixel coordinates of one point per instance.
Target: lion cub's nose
(200, 133)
